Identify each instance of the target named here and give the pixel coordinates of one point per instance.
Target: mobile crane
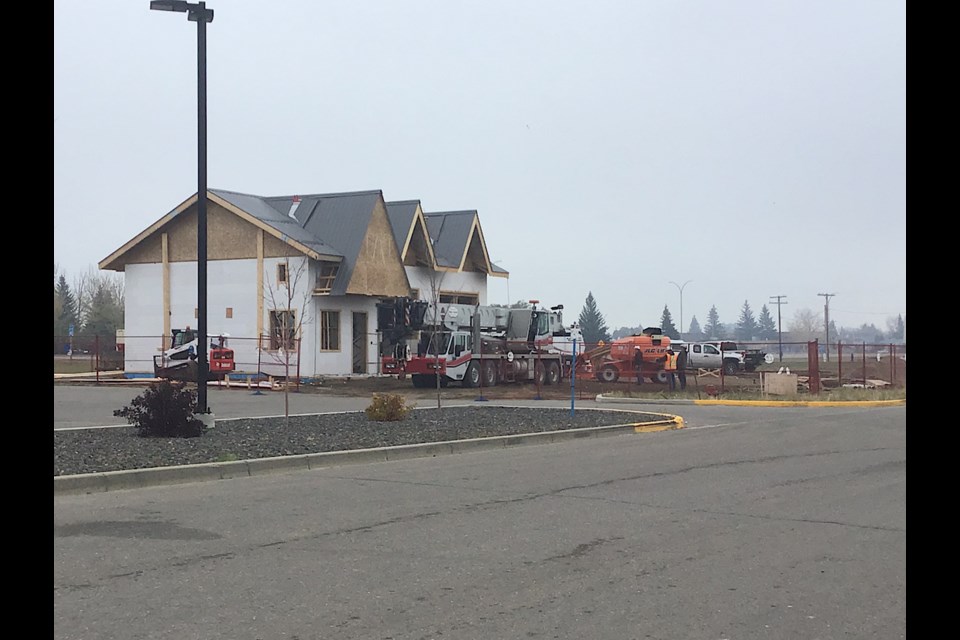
(475, 345)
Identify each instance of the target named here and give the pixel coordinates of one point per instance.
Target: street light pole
(198, 12)
(680, 288)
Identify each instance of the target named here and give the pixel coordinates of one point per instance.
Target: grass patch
(77, 365)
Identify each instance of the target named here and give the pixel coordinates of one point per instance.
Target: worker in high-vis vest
(670, 366)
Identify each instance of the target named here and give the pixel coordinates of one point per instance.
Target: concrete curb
(160, 476)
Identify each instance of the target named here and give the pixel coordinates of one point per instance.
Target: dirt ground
(852, 373)
(589, 388)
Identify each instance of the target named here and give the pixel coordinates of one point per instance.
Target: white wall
(230, 283)
(142, 316)
(471, 282)
(341, 362)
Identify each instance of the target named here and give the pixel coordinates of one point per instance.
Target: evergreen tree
(65, 310)
(834, 334)
(592, 324)
(105, 311)
(766, 326)
(667, 326)
(896, 329)
(695, 333)
(747, 325)
(713, 330)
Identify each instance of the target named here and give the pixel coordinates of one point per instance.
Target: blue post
(573, 376)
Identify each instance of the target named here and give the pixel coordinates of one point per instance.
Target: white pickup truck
(721, 354)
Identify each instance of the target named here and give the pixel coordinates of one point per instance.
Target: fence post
(259, 349)
(480, 363)
(813, 364)
(893, 364)
(299, 342)
(864, 376)
(573, 376)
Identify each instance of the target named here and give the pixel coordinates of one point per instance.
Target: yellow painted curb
(675, 422)
(802, 403)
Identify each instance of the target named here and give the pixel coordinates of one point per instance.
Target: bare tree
(434, 281)
(288, 320)
(805, 326)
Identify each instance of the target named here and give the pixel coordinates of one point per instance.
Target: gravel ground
(120, 448)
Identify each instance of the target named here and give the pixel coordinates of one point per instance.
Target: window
(457, 297)
(329, 330)
(459, 343)
(328, 273)
(282, 275)
(283, 329)
(229, 312)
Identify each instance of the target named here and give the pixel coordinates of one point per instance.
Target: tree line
(92, 305)
(89, 306)
(805, 325)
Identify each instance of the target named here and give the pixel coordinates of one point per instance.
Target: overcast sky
(754, 149)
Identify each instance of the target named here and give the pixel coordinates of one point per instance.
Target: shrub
(163, 410)
(390, 407)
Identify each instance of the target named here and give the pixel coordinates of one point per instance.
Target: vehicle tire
(552, 375)
(539, 373)
(491, 376)
(472, 377)
(608, 374)
(730, 367)
(420, 381)
(661, 377)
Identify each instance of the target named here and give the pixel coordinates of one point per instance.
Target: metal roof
(337, 222)
(401, 216)
(271, 212)
(342, 220)
(450, 233)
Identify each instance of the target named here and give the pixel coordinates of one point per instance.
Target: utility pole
(826, 319)
(779, 301)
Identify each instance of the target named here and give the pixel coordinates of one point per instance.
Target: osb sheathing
(378, 270)
(418, 254)
(229, 237)
(476, 260)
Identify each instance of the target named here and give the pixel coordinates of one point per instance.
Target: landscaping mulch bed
(120, 448)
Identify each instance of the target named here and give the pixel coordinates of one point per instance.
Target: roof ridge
(239, 193)
(450, 213)
(339, 194)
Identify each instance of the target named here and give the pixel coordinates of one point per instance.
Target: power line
(871, 313)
